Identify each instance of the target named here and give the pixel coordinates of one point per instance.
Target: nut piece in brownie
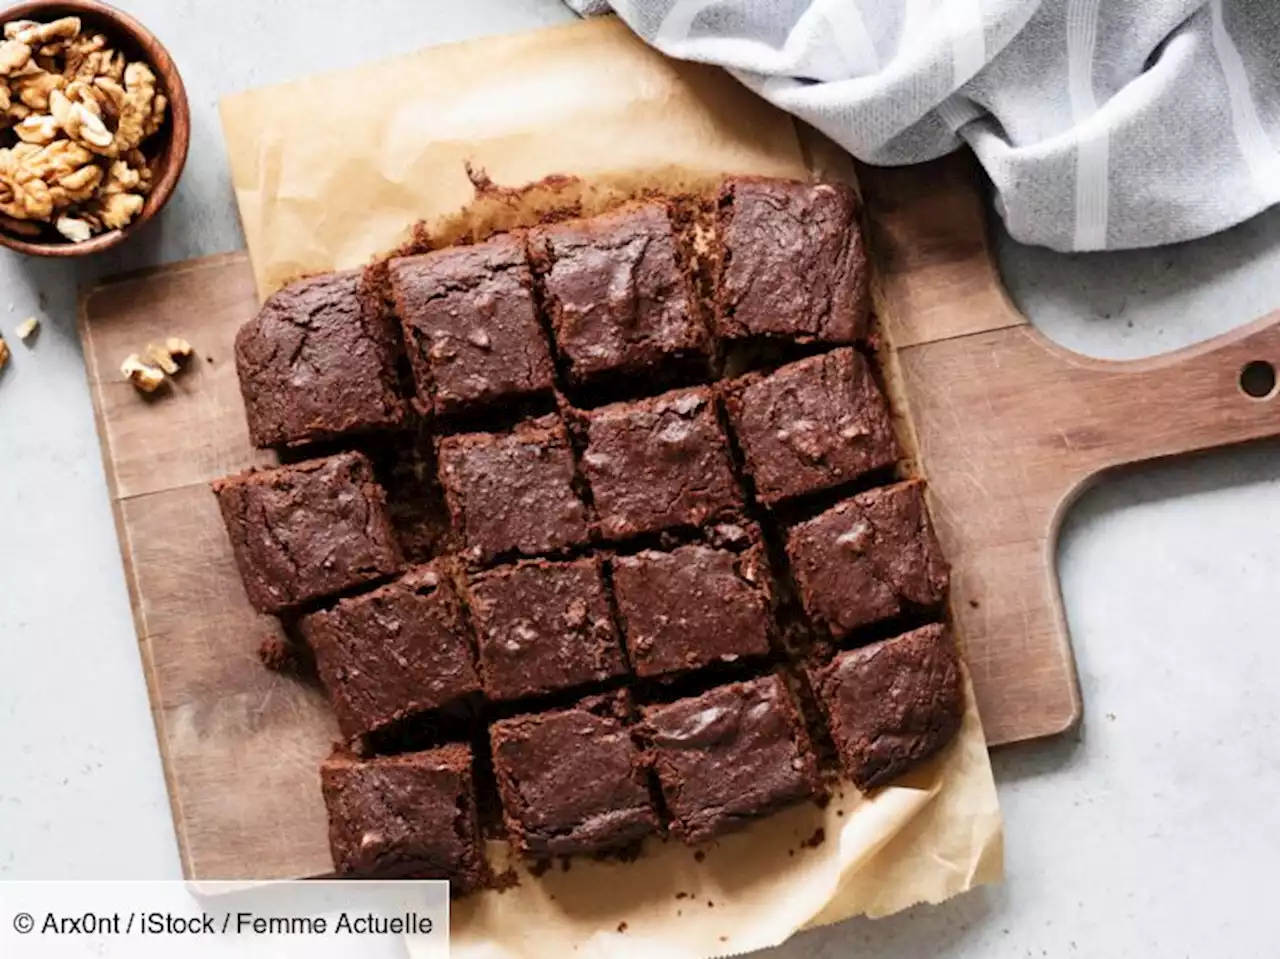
(811, 425)
(316, 363)
(791, 262)
(571, 781)
(658, 463)
(734, 754)
(867, 557)
(403, 649)
(303, 532)
(892, 704)
(618, 299)
(542, 627)
(692, 607)
(513, 492)
(470, 327)
(411, 816)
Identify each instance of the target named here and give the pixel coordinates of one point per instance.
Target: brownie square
(315, 364)
(403, 649)
(658, 463)
(863, 559)
(513, 492)
(411, 816)
(791, 262)
(811, 425)
(542, 627)
(692, 607)
(303, 532)
(734, 754)
(892, 704)
(470, 325)
(618, 299)
(571, 781)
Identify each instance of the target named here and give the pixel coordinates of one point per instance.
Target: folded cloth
(1102, 123)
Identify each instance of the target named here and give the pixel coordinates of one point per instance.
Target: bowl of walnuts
(94, 127)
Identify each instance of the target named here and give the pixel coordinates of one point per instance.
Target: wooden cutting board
(1008, 427)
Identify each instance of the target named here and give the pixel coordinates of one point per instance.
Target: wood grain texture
(1008, 429)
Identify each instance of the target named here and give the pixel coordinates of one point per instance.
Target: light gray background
(1152, 832)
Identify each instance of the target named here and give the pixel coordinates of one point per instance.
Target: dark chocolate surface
(315, 364)
(303, 532)
(792, 263)
(405, 817)
(542, 627)
(470, 327)
(693, 606)
(729, 756)
(402, 649)
(811, 425)
(865, 558)
(571, 781)
(892, 704)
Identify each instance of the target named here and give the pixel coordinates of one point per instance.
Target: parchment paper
(334, 170)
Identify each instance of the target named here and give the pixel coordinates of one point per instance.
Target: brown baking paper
(334, 170)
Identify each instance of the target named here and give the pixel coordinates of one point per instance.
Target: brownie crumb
(507, 879)
(840, 812)
(540, 868)
(699, 856)
(817, 839)
(710, 904)
(278, 656)
(973, 604)
(684, 895)
(565, 862)
(622, 927)
(823, 801)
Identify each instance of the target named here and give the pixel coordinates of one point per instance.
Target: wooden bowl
(166, 151)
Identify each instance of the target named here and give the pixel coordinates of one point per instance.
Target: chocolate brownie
(892, 704)
(542, 627)
(303, 532)
(658, 463)
(513, 492)
(791, 262)
(811, 425)
(316, 363)
(729, 756)
(403, 649)
(411, 816)
(692, 607)
(470, 326)
(863, 559)
(618, 299)
(571, 781)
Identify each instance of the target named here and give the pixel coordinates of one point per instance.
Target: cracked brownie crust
(470, 326)
(617, 298)
(571, 781)
(892, 704)
(791, 262)
(315, 364)
(303, 532)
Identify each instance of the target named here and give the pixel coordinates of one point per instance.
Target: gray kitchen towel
(1102, 123)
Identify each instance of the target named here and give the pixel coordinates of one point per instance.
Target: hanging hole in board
(1258, 380)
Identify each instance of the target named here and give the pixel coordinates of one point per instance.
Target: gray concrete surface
(1151, 832)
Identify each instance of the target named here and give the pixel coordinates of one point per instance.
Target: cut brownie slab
(315, 364)
(513, 492)
(791, 262)
(658, 463)
(692, 607)
(618, 299)
(863, 559)
(405, 817)
(734, 754)
(571, 781)
(811, 425)
(403, 649)
(543, 627)
(892, 704)
(469, 325)
(301, 533)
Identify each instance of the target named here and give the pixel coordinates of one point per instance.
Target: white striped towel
(1102, 123)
